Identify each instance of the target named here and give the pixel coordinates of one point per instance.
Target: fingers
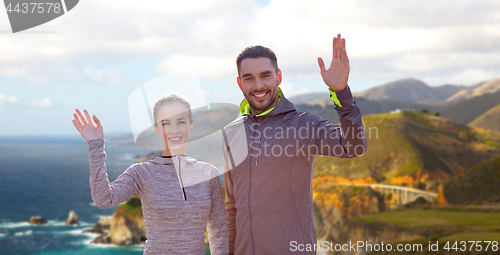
(82, 119)
(76, 120)
(77, 123)
(344, 52)
(74, 124)
(334, 45)
(338, 46)
(87, 116)
(321, 64)
(97, 122)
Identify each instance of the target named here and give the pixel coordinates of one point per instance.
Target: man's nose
(259, 84)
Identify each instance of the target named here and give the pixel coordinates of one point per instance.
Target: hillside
(466, 111)
(439, 227)
(413, 148)
(478, 90)
(489, 120)
(480, 183)
(410, 90)
(325, 108)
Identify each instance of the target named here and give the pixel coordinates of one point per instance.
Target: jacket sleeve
(230, 203)
(105, 194)
(346, 140)
(216, 225)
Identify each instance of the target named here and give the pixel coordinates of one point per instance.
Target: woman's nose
(174, 129)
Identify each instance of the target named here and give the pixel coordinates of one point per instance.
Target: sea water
(49, 176)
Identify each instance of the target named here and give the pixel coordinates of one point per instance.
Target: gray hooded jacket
(268, 161)
(176, 209)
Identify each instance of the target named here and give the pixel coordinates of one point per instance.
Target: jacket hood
(283, 106)
(170, 161)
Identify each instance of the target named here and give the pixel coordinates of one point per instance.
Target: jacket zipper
(180, 179)
(249, 192)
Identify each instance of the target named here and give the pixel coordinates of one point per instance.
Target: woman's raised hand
(86, 127)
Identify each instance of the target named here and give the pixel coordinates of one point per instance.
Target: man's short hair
(257, 52)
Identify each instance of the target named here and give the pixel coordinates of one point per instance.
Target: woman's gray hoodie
(175, 223)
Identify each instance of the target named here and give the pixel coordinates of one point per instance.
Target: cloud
(291, 90)
(464, 77)
(425, 39)
(104, 76)
(45, 103)
(8, 99)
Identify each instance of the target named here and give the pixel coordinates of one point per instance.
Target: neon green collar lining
(245, 107)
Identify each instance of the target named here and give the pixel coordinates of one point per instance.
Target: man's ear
(279, 76)
(239, 82)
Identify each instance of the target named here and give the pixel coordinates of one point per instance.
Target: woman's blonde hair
(172, 98)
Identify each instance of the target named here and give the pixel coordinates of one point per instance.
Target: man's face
(259, 83)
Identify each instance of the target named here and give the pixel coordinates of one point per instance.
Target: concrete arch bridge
(403, 195)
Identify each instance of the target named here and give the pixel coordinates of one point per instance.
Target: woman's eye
(165, 124)
(182, 122)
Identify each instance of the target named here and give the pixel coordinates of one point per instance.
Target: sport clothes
(268, 161)
(174, 224)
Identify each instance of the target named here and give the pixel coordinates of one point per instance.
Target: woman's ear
(191, 126)
(156, 130)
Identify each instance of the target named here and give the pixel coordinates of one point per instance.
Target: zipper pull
(180, 179)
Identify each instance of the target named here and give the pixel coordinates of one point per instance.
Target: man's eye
(266, 75)
(248, 79)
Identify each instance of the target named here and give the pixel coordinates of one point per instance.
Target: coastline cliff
(126, 227)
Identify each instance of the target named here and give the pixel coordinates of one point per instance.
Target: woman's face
(172, 122)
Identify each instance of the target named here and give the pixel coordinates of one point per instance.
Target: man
(269, 154)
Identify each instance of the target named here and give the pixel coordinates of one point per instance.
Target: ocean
(49, 176)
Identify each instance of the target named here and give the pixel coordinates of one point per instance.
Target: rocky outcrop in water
(37, 220)
(72, 219)
(102, 226)
(126, 227)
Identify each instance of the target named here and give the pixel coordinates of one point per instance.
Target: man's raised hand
(337, 75)
(86, 127)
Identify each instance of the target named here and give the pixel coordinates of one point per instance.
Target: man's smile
(260, 95)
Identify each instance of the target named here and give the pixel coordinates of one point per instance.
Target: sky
(96, 55)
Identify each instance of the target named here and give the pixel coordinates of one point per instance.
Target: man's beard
(272, 98)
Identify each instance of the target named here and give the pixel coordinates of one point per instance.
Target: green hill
(489, 120)
(410, 144)
(326, 109)
(480, 183)
(466, 111)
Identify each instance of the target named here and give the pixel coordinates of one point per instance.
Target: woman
(180, 196)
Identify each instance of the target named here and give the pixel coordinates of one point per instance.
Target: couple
(268, 194)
